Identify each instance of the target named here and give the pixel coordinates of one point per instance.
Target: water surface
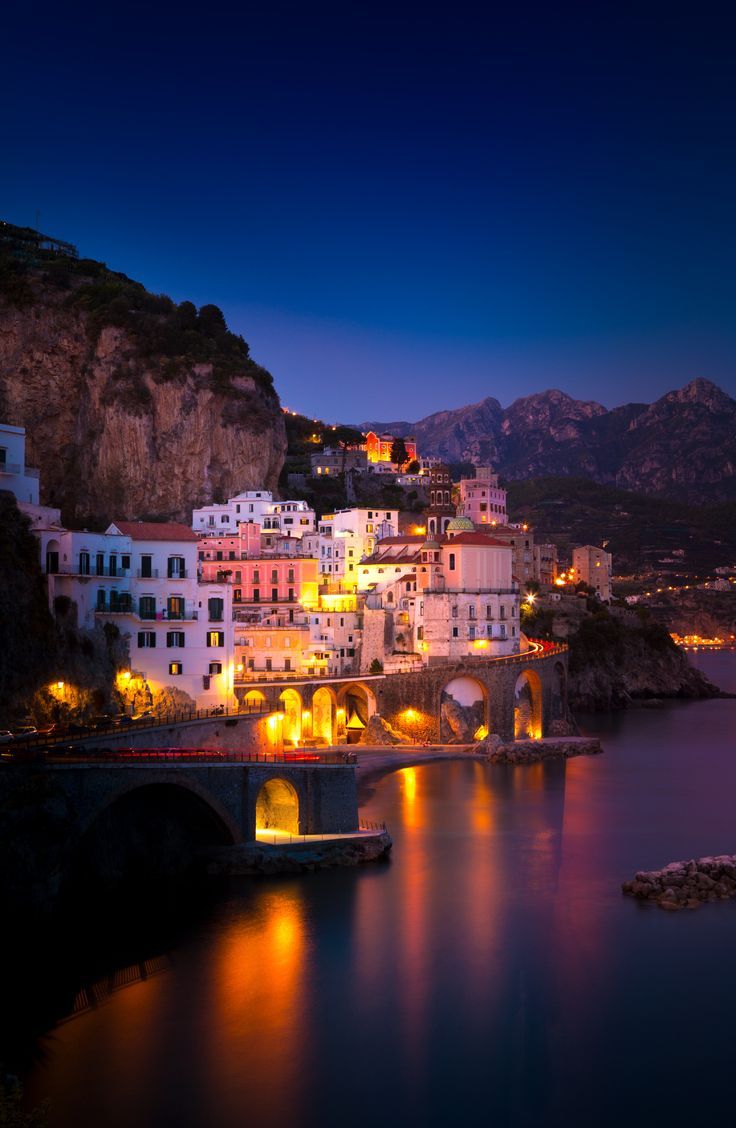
(491, 972)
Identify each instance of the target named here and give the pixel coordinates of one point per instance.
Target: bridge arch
(290, 705)
(147, 831)
(356, 703)
(254, 700)
(324, 715)
(277, 807)
(528, 706)
(463, 710)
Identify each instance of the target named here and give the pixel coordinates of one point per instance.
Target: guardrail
(205, 755)
(115, 728)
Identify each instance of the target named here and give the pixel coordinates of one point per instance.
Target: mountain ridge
(683, 445)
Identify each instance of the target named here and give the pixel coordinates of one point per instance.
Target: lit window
(175, 669)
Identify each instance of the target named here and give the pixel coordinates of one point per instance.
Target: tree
(375, 667)
(399, 453)
(413, 467)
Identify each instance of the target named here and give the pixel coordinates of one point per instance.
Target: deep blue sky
(400, 208)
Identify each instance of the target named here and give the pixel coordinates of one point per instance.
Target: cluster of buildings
(374, 456)
(258, 589)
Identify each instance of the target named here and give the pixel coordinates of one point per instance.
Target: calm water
(491, 973)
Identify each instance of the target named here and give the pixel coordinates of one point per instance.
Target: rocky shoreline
(686, 885)
(251, 858)
(536, 751)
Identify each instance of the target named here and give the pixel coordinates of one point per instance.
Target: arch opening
(528, 706)
(149, 833)
(356, 704)
(290, 704)
(463, 711)
(254, 701)
(277, 807)
(324, 715)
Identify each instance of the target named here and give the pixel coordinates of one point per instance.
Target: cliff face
(683, 446)
(122, 425)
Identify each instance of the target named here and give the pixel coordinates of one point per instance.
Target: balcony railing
(92, 571)
(157, 574)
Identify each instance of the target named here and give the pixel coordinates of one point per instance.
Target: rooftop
(154, 531)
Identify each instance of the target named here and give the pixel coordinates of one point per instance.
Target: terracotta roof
(481, 539)
(156, 531)
(408, 538)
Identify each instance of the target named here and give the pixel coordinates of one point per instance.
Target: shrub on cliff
(28, 650)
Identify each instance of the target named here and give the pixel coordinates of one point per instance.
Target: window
(216, 610)
(291, 595)
(175, 607)
(287, 663)
(237, 596)
(101, 599)
(146, 567)
(238, 576)
(454, 612)
(175, 639)
(452, 561)
(215, 667)
(84, 563)
(175, 568)
(269, 665)
(215, 638)
(146, 640)
(218, 555)
(100, 564)
(454, 632)
(256, 595)
(147, 607)
(275, 594)
(231, 555)
(256, 576)
(471, 612)
(176, 668)
(290, 577)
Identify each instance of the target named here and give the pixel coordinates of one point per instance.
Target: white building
(142, 576)
(292, 517)
(346, 536)
(15, 476)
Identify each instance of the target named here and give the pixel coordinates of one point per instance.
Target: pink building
(482, 499)
(266, 581)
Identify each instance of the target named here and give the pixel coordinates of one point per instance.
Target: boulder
(378, 731)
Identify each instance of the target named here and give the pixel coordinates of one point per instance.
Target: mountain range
(683, 446)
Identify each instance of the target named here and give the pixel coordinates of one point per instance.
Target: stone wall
(245, 733)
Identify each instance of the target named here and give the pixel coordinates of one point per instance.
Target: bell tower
(440, 510)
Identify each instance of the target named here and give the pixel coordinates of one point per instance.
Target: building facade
(593, 566)
(258, 506)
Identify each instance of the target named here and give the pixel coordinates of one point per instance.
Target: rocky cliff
(133, 406)
(683, 446)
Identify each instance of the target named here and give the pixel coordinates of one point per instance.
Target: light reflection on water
(492, 971)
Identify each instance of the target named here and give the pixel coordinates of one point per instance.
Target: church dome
(460, 525)
(431, 545)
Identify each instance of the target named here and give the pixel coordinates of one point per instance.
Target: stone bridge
(517, 697)
(79, 828)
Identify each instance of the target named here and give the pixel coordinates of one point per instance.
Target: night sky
(401, 208)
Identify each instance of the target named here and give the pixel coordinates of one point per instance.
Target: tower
(440, 510)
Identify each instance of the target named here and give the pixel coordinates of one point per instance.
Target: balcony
(115, 607)
(157, 574)
(92, 572)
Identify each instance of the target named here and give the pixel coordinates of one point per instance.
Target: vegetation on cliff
(134, 406)
(39, 650)
(616, 656)
(639, 530)
(172, 336)
(28, 650)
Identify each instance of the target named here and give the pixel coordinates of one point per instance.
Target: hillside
(641, 532)
(134, 406)
(682, 447)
